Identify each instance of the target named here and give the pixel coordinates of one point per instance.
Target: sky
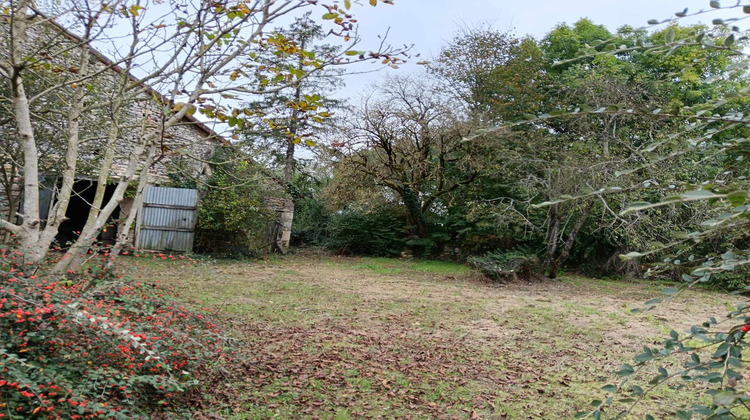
(429, 24)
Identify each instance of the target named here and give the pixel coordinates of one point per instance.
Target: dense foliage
(97, 345)
(506, 266)
(692, 173)
(234, 207)
(428, 146)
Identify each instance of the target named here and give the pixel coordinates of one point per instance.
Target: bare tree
(407, 137)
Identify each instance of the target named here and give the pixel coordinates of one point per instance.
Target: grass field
(339, 338)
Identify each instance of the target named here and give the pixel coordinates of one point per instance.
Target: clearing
(334, 337)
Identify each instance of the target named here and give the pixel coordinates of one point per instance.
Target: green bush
(312, 223)
(232, 211)
(377, 233)
(120, 349)
(429, 247)
(506, 266)
(737, 279)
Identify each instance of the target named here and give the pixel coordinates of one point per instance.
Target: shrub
(737, 279)
(376, 233)
(119, 349)
(312, 222)
(506, 266)
(429, 247)
(233, 210)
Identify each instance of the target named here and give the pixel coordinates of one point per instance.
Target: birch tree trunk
(124, 229)
(35, 242)
(287, 210)
(28, 232)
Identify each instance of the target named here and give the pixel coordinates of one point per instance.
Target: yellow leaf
(134, 9)
(373, 2)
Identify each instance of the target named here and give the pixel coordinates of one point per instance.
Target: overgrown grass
(335, 337)
(390, 266)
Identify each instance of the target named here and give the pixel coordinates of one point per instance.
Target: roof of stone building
(210, 133)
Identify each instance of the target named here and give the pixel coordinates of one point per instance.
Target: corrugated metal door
(167, 219)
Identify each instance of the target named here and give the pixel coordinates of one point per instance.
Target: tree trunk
(35, 242)
(557, 262)
(414, 214)
(287, 212)
(553, 229)
(75, 256)
(286, 219)
(71, 161)
(28, 232)
(124, 228)
(99, 215)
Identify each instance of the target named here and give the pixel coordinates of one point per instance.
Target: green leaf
(729, 41)
(715, 4)
(653, 22)
(683, 415)
(636, 206)
(626, 370)
(737, 198)
(330, 16)
(698, 195)
(643, 357)
(609, 388)
(631, 255)
(746, 9)
(670, 35)
(725, 398)
(670, 291)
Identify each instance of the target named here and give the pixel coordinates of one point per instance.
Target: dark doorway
(78, 211)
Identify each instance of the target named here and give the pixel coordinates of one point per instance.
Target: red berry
(745, 328)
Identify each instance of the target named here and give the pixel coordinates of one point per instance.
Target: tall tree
(574, 147)
(294, 116)
(407, 138)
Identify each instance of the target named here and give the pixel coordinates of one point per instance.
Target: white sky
(430, 23)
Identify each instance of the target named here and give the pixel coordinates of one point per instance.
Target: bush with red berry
(97, 345)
